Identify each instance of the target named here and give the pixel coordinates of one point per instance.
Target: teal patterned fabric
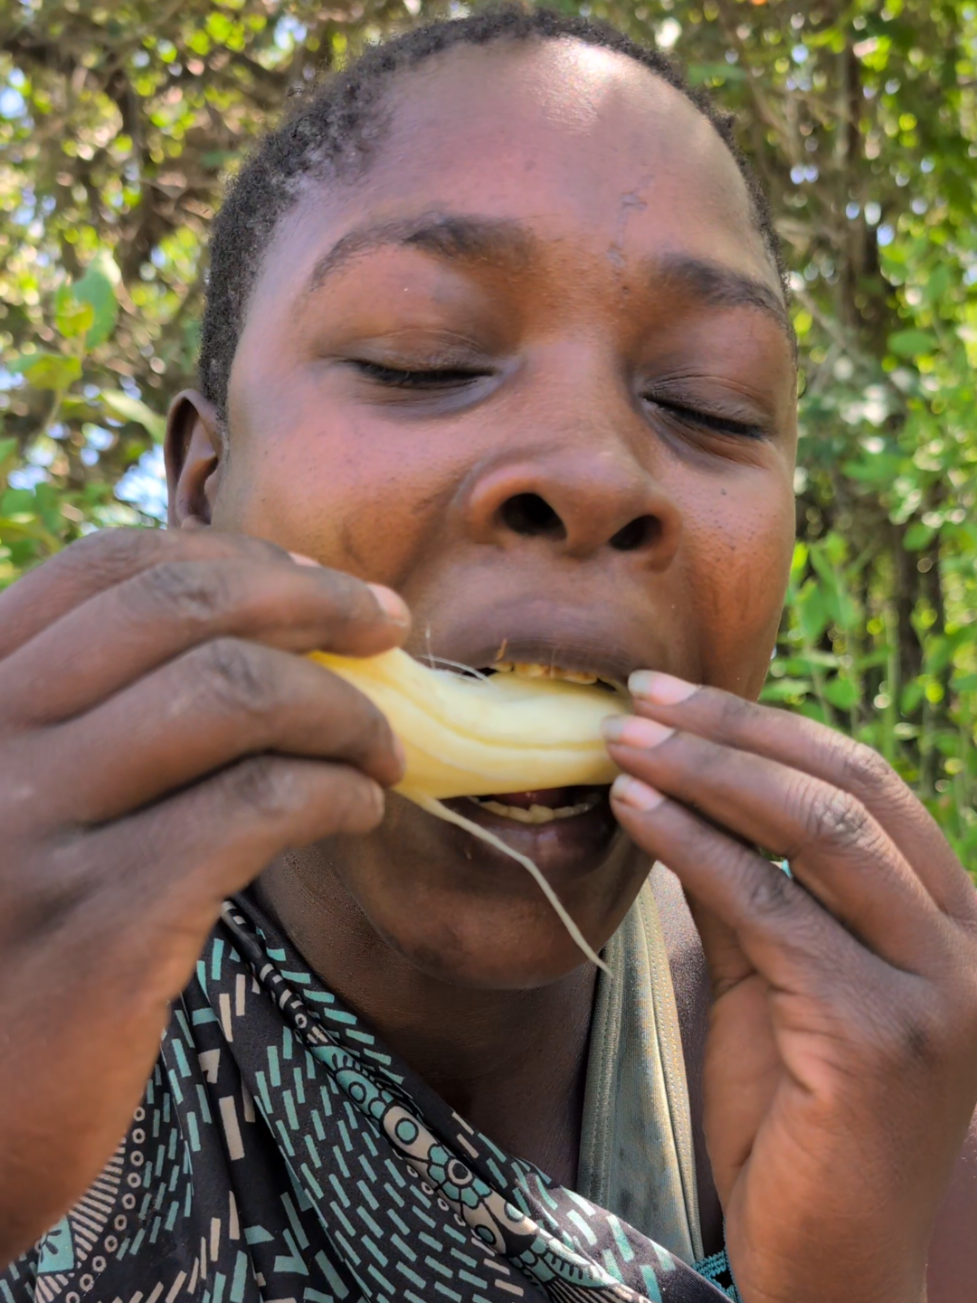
(282, 1154)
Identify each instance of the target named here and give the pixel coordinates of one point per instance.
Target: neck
(481, 1050)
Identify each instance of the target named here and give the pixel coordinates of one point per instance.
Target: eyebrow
(450, 236)
(468, 238)
(719, 286)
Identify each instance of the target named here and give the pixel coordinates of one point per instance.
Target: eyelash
(449, 377)
(430, 378)
(704, 420)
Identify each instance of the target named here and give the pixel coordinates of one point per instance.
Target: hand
(159, 745)
(841, 1065)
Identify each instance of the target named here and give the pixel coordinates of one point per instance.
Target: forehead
(593, 152)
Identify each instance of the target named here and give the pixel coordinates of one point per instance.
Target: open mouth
(537, 670)
(552, 804)
(542, 807)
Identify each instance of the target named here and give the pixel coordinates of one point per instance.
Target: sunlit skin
(567, 311)
(569, 306)
(598, 476)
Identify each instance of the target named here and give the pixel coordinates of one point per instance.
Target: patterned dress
(282, 1155)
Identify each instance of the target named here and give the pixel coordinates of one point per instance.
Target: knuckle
(240, 676)
(897, 1023)
(352, 802)
(911, 1039)
(769, 894)
(734, 714)
(187, 592)
(101, 560)
(862, 768)
(834, 816)
(47, 885)
(121, 549)
(343, 595)
(244, 547)
(264, 785)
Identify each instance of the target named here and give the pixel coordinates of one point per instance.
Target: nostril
(640, 532)
(531, 515)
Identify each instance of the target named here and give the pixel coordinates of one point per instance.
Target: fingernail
(400, 753)
(638, 795)
(393, 607)
(632, 731)
(301, 560)
(662, 688)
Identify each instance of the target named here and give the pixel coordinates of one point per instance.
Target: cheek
(741, 562)
(352, 499)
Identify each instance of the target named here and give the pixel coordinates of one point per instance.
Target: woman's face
(533, 371)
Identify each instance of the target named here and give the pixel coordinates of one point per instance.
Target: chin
(467, 915)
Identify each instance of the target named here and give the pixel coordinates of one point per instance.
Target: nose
(576, 501)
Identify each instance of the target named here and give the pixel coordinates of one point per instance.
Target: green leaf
(938, 284)
(918, 536)
(30, 527)
(699, 74)
(134, 409)
(875, 468)
(786, 689)
(823, 564)
(72, 317)
(937, 654)
(799, 561)
(807, 662)
(912, 695)
(842, 693)
(912, 343)
(97, 288)
(812, 612)
(47, 370)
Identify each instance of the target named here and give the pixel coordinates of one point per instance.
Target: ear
(194, 456)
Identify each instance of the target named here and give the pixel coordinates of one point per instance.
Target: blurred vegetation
(119, 121)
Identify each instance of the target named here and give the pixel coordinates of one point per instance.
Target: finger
(728, 965)
(834, 846)
(128, 630)
(105, 559)
(199, 713)
(823, 753)
(185, 855)
(784, 933)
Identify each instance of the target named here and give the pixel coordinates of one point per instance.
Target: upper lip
(612, 664)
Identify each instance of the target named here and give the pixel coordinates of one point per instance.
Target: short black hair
(332, 130)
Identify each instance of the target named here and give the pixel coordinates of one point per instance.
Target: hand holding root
(841, 1067)
(159, 745)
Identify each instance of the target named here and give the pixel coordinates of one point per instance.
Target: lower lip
(563, 849)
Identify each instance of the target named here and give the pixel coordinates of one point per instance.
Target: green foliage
(119, 121)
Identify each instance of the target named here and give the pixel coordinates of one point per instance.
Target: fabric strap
(636, 1152)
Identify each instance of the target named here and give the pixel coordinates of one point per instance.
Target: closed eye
(426, 378)
(690, 416)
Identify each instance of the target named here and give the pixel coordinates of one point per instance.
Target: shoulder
(690, 979)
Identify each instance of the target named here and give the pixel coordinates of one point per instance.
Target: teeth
(533, 670)
(538, 813)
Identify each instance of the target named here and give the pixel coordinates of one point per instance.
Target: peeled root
(441, 811)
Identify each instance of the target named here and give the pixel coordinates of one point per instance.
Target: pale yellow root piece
(486, 737)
